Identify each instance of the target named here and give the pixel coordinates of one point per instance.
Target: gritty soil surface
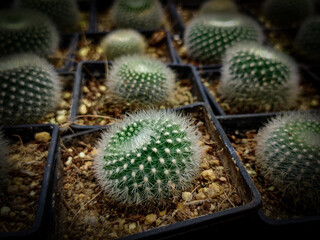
(85, 212)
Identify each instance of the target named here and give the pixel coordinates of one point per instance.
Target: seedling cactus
(208, 36)
(149, 157)
(29, 89)
(256, 78)
(140, 14)
(123, 42)
(27, 31)
(287, 13)
(64, 13)
(218, 6)
(288, 155)
(307, 42)
(140, 79)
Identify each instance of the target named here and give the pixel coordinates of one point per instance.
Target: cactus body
(256, 78)
(64, 13)
(141, 14)
(148, 157)
(27, 31)
(140, 79)
(208, 36)
(307, 41)
(287, 13)
(29, 89)
(218, 6)
(123, 42)
(288, 154)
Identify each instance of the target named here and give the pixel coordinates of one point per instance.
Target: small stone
(162, 213)
(42, 137)
(69, 161)
(32, 193)
(208, 174)
(151, 218)
(61, 119)
(271, 188)
(222, 179)
(201, 196)
(83, 109)
(4, 211)
(82, 154)
(187, 196)
(132, 226)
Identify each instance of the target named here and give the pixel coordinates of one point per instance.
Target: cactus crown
(208, 36)
(258, 78)
(140, 79)
(307, 39)
(123, 42)
(27, 31)
(64, 13)
(29, 89)
(288, 153)
(142, 14)
(148, 157)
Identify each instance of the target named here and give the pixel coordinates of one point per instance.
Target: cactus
(307, 41)
(287, 13)
(4, 164)
(29, 89)
(64, 13)
(257, 78)
(140, 79)
(141, 14)
(27, 31)
(208, 36)
(148, 157)
(123, 42)
(218, 6)
(288, 154)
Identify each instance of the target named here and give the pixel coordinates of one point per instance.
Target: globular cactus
(123, 42)
(140, 79)
(307, 41)
(208, 36)
(27, 31)
(4, 164)
(288, 155)
(64, 13)
(218, 6)
(257, 78)
(29, 89)
(287, 13)
(148, 157)
(140, 14)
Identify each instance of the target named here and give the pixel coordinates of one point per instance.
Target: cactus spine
(29, 89)
(27, 31)
(140, 79)
(123, 42)
(140, 14)
(148, 157)
(288, 154)
(256, 78)
(208, 36)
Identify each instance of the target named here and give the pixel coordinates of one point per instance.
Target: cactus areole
(147, 158)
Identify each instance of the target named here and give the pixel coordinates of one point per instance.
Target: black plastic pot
(238, 123)
(97, 69)
(95, 38)
(215, 223)
(26, 132)
(213, 73)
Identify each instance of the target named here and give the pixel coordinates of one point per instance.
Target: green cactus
(307, 41)
(218, 6)
(288, 155)
(148, 157)
(287, 13)
(4, 165)
(208, 36)
(257, 78)
(140, 14)
(27, 31)
(29, 89)
(123, 42)
(140, 79)
(64, 13)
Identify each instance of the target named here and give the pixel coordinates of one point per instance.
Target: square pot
(241, 130)
(309, 97)
(91, 72)
(214, 221)
(24, 134)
